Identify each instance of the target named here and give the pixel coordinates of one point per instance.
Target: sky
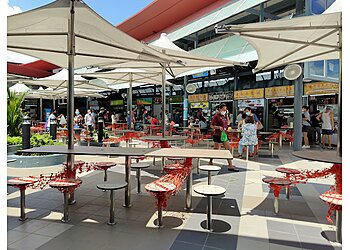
(114, 11)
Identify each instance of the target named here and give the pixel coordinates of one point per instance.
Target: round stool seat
(76, 163)
(288, 170)
(65, 183)
(209, 190)
(21, 181)
(332, 198)
(112, 186)
(209, 168)
(160, 186)
(277, 181)
(105, 165)
(140, 165)
(134, 143)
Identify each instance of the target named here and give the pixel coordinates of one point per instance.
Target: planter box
(32, 161)
(12, 149)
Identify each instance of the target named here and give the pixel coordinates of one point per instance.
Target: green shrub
(14, 140)
(38, 140)
(14, 112)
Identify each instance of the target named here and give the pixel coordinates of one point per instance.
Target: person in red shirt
(154, 122)
(220, 123)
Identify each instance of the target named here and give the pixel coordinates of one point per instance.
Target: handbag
(223, 136)
(260, 126)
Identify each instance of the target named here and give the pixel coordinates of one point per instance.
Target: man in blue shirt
(248, 112)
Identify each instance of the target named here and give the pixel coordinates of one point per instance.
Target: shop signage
(144, 101)
(249, 94)
(117, 102)
(250, 103)
(201, 74)
(199, 105)
(223, 96)
(321, 88)
(175, 99)
(281, 91)
(198, 98)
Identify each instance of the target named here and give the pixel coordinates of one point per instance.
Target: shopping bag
(223, 136)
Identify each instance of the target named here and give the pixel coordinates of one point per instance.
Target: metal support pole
(297, 123)
(262, 13)
(127, 179)
(163, 100)
(65, 217)
(111, 210)
(41, 109)
(338, 223)
(131, 114)
(160, 215)
(209, 213)
(26, 132)
(265, 115)
(23, 205)
(339, 132)
(105, 177)
(70, 93)
(185, 103)
(209, 177)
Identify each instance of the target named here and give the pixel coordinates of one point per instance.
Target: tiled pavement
(243, 218)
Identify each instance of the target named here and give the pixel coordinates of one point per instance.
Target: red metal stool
(276, 184)
(105, 166)
(22, 183)
(65, 186)
(288, 172)
(169, 168)
(335, 202)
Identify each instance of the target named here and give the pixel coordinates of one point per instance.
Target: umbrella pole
(339, 144)
(70, 95)
(163, 100)
(41, 109)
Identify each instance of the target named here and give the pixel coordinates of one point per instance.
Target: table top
(166, 138)
(281, 129)
(209, 190)
(81, 150)
(318, 155)
(191, 153)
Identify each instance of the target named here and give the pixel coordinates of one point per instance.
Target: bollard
(26, 132)
(53, 128)
(100, 129)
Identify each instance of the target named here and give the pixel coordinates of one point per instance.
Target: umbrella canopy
(61, 93)
(190, 61)
(43, 33)
(19, 88)
(59, 81)
(301, 39)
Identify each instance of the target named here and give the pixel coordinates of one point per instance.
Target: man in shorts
(327, 118)
(306, 126)
(220, 123)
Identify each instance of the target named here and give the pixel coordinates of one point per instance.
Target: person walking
(249, 137)
(306, 126)
(219, 124)
(327, 117)
(89, 120)
(51, 116)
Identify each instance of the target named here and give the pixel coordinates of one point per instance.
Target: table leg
(127, 179)
(23, 205)
(138, 177)
(280, 140)
(189, 192)
(105, 177)
(209, 213)
(209, 177)
(288, 192)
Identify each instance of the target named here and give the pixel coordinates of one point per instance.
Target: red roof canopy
(36, 69)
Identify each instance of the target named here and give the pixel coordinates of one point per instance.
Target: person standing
(62, 120)
(220, 123)
(239, 117)
(51, 116)
(78, 124)
(327, 117)
(306, 126)
(89, 120)
(249, 137)
(316, 124)
(94, 116)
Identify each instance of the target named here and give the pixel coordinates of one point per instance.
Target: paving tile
(30, 242)
(281, 227)
(32, 226)
(285, 239)
(252, 243)
(13, 236)
(224, 241)
(53, 229)
(192, 237)
(179, 245)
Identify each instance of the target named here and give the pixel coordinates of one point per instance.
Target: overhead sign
(249, 94)
(200, 105)
(175, 99)
(198, 98)
(117, 102)
(321, 88)
(157, 100)
(201, 74)
(144, 101)
(223, 96)
(281, 91)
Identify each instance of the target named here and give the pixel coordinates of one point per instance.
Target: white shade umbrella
(19, 88)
